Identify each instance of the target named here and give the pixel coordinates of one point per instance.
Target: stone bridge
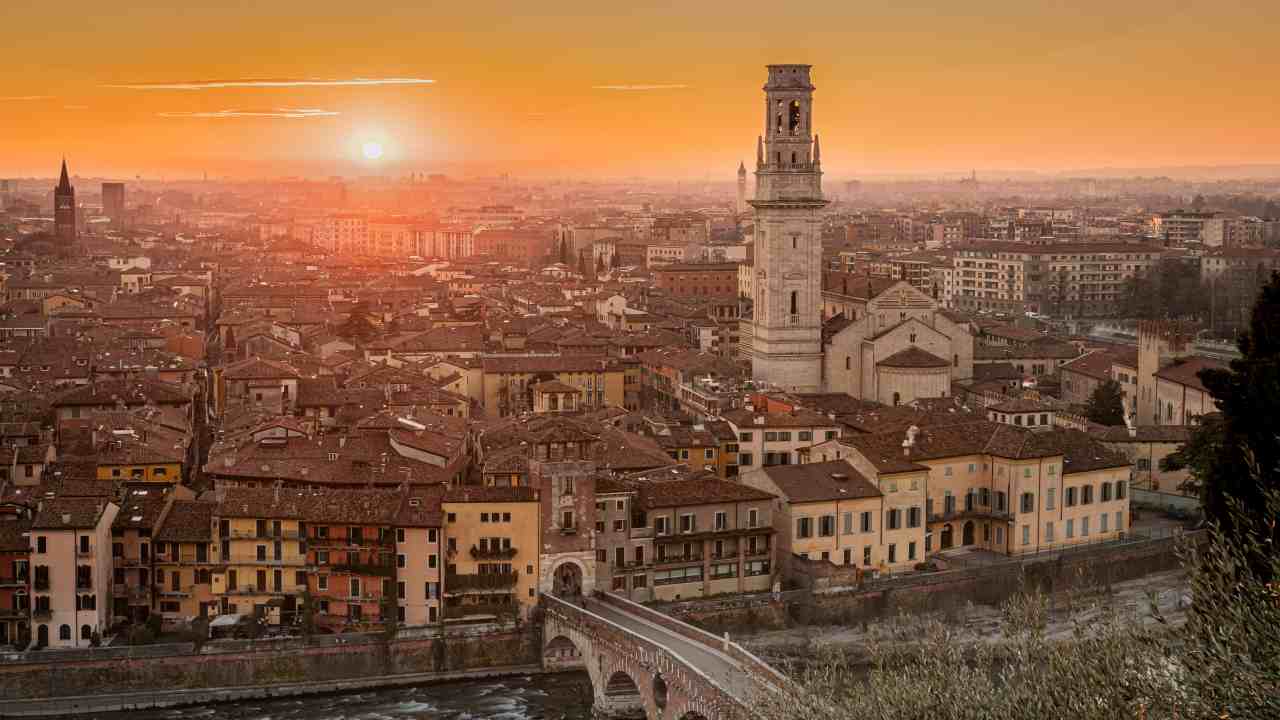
(644, 664)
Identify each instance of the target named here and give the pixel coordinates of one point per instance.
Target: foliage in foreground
(1224, 662)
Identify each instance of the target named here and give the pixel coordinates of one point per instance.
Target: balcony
(976, 512)
(253, 590)
(677, 559)
(344, 542)
(19, 581)
(14, 613)
(492, 553)
(730, 554)
(290, 559)
(41, 613)
(84, 583)
(758, 552)
(458, 612)
(638, 533)
(480, 582)
(267, 535)
(386, 570)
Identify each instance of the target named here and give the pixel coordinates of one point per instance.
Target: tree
(582, 264)
(308, 613)
(1247, 394)
(599, 265)
(564, 252)
(390, 611)
(358, 325)
(1106, 404)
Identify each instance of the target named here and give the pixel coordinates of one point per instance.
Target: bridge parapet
(670, 687)
(759, 669)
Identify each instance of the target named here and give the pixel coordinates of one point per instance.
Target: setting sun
(371, 150)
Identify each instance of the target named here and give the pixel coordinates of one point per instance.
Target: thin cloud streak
(639, 87)
(21, 98)
(285, 83)
(287, 113)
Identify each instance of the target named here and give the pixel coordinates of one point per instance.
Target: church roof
(913, 357)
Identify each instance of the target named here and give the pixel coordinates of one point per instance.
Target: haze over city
(661, 90)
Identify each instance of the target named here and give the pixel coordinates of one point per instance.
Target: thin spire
(817, 151)
(64, 182)
(759, 150)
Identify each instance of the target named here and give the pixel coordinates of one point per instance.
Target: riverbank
(82, 705)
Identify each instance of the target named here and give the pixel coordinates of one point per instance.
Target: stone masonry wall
(49, 674)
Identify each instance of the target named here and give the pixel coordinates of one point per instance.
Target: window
(827, 526)
(848, 523)
(893, 553)
(722, 521)
(688, 523)
(753, 518)
(744, 437)
(804, 527)
(708, 454)
(866, 555)
(804, 435)
(1071, 528)
(1084, 526)
(1106, 491)
(64, 632)
(41, 544)
(1048, 498)
(893, 519)
(746, 459)
(1119, 494)
(1119, 521)
(911, 551)
(865, 522)
(1026, 534)
(1028, 502)
(566, 520)
(1070, 497)
(1102, 522)
(913, 517)
(660, 525)
(1048, 532)
(1086, 495)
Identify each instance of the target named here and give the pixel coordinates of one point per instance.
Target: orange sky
(912, 89)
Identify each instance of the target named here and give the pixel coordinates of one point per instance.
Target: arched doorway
(567, 580)
(946, 538)
(42, 636)
(968, 533)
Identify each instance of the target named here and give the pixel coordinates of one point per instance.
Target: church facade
(872, 338)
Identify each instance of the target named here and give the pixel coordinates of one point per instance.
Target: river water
(562, 696)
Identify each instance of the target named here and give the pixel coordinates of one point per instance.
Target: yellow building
(492, 544)
(831, 512)
(186, 559)
(260, 541)
(509, 381)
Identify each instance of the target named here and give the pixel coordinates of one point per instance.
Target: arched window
(795, 306)
(793, 158)
(64, 632)
(86, 632)
(897, 399)
(848, 363)
(793, 118)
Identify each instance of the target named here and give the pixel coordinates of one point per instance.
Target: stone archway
(966, 537)
(620, 698)
(567, 579)
(562, 654)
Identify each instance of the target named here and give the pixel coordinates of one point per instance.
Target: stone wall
(932, 592)
(241, 663)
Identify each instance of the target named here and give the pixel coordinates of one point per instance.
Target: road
(724, 670)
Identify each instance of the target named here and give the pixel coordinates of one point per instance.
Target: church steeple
(64, 207)
(64, 182)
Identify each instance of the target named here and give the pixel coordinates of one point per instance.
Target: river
(563, 696)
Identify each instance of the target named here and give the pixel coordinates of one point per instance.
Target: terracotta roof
(187, 521)
(744, 419)
(1096, 365)
(13, 534)
(66, 513)
(1186, 371)
(488, 494)
(818, 482)
(913, 357)
(698, 491)
(259, 369)
(1145, 434)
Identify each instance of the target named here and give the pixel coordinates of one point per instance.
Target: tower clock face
(64, 205)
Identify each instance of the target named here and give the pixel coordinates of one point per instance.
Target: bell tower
(64, 208)
(786, 346)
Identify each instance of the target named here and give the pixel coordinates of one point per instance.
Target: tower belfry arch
(786, 346)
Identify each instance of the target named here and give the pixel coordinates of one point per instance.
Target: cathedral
(873, 338)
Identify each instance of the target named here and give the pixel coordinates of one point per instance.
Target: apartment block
(71, 571)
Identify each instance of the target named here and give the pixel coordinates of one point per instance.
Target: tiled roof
(1145, 434)
(187, 521)
(12, 534)
(489, 494)
(65, 513)
(823, 481)
(913, 357)
(746, 420)
(698, 491)
(1186, 371)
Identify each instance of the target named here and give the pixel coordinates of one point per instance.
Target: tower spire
(817, 151)
(64, 182)
(759, 151)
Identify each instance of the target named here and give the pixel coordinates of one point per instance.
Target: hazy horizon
(586, 90)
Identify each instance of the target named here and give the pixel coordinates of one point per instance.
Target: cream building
(71, 571)
(829, 511)
(887, 341)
